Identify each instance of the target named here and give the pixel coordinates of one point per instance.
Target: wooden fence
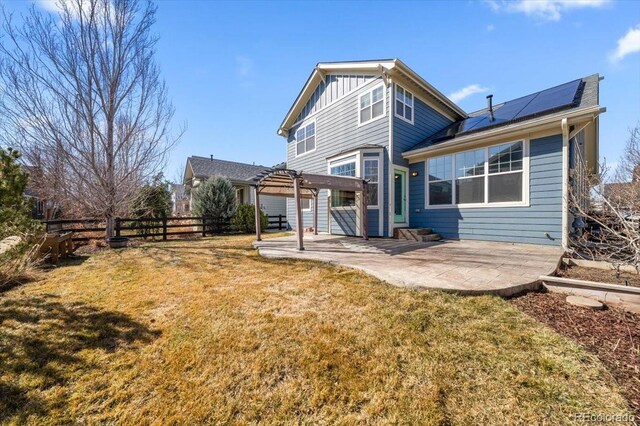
(87, 229)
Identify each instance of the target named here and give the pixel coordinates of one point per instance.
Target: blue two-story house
(501, 174)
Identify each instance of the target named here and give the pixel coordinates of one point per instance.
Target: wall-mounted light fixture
(414, 173)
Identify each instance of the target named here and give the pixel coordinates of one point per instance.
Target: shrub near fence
(87, 229)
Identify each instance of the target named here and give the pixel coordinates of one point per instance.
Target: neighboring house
(501, 173)
(241, 175)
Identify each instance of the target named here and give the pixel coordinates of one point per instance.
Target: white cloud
(627, 44)
(244, 70)
(491, 27)
(243, 66)
(465, 92)
(546, 10)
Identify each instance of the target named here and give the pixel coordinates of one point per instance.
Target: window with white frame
(470, 177)
(305, 204)
(371, 174)
(404, 104)
(440, 186)
(306, 138)
(505, 172)
(485, 176)
(343, 198)
(372, 104)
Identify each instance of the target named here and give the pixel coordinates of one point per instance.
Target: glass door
(399, 195)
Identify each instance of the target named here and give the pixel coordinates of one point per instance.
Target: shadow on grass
(40, 342)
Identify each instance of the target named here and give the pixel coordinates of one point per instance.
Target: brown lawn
(193, 332)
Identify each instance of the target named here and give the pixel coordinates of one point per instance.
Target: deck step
(416, 234)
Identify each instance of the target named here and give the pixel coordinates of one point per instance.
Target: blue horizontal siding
(343, 221)
(426, 122)
(507, 224)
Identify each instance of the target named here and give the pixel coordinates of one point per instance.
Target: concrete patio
(467, 267)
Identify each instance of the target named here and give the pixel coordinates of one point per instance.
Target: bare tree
(83, 100)
(609, 209)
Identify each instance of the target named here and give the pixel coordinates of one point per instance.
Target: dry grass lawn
(192, 332)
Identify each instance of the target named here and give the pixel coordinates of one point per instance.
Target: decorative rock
(584, 302)
(9, 243)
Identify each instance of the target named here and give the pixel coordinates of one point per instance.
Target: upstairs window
(372, 105)
(306, 138)
(404, 104)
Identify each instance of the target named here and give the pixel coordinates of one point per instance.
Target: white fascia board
(429, 88)
(539, 124)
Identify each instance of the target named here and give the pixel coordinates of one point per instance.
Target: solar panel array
(545, 101)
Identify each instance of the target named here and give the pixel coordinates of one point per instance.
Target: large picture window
(486, 176)
(404, 104)
(440, 186)
(470, 177)
(505, 172)
(306, 138)
(372, 105)
(343, 198)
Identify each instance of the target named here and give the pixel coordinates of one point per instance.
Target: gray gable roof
(582, 93)
(204, 167)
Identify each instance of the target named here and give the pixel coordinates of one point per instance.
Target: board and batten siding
(330, 90)
(337, 131)
(510, 224)
(426, 122)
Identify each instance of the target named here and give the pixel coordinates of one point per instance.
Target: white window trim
(310, 205)
(525, 181)
(347, 159)
(295, 138)
(384, 104)
(413, 107)
(379, 183)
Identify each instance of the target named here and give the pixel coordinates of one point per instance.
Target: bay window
(343, 198)
(483, 177)
(371, 175)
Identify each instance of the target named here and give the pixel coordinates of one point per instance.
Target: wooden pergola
(298, 185)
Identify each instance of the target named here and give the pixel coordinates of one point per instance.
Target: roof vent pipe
(211, 157)
(490, 106)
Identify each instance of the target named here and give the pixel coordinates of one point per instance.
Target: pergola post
(315, 212)
(296, 195)
(256, 197)
(364, 219)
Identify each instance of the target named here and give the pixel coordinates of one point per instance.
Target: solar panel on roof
(556, 97)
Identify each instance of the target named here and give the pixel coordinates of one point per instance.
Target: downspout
(565, 183)
(390, 168)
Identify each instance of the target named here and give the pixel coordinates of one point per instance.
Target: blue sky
(234, 68)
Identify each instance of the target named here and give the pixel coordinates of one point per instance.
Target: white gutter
(549, 121)
(390, 194)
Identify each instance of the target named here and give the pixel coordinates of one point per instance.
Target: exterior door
(399, 195)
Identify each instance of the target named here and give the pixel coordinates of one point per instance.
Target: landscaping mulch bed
(612, 334)
(599, 275)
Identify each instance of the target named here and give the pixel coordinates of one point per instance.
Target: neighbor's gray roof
(204, 167)
(585, 96)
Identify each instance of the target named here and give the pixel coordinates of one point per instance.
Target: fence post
(204, 230)
(279, 222)
(164, 228)
(117, 226)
